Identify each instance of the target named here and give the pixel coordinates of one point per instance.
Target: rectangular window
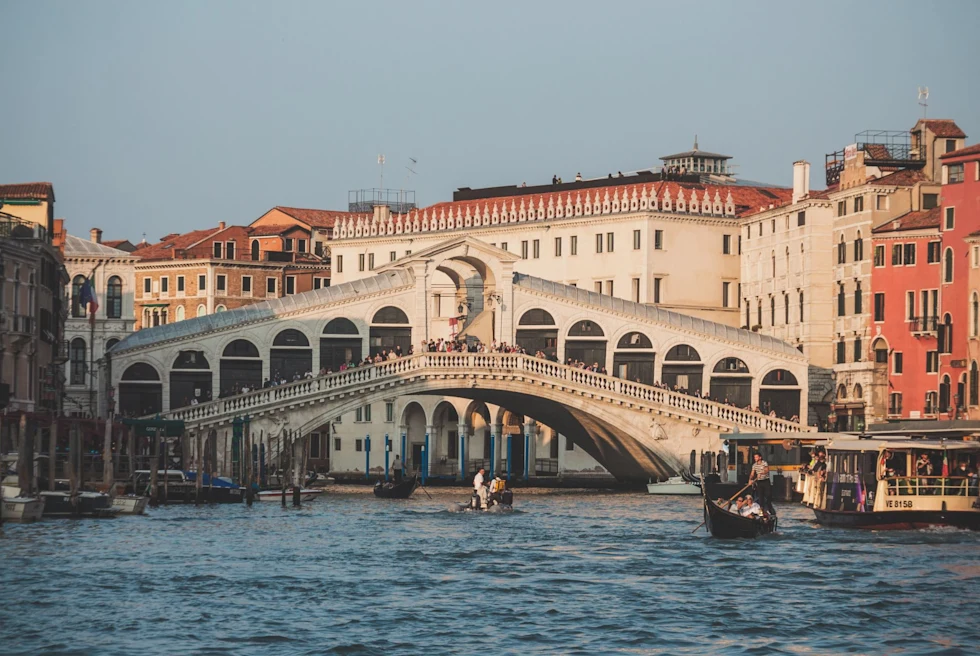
(147, 285)
(879, 306)
(569, 445)
(657, 284)
(367, 412)
(857, 349)
(897, 255)
(358, 445)
(287, 244)
(536, 249)
(180, 283)
(217, 250)
(270, 286)
(897, 362)
(725, 290)
(859, 204)
(389, 412)
(165, 285)
(300, 245)
(933, 251)
(557, 246)
(895, 403)
(726, 244)
(932, 362)
(841, 207)
(841, 252)
(290, 284)
(930, 201)
(524, 250)
(359, 415)
(314, 445)
(636, 240)
(800, 219)
(879, 256)
(841, 309)
(230, 250)
(955, 173)
(950, 145)
(636, 290)
(609, 288)
(910, 306)
(658, 240)
(598, 286)
(840, 352)
(598, 243)
(909, 254)
(340, 263)
(219, 283)
(503, 246)
(392, 256)
(573, 245)
(975, 256)
(437, 306)
(950, 215)
(246, 285)
(370, 261)
(609, 242)
(858, 299)
(336, 444)
(202, 283)
(881, 202)
(360, 262)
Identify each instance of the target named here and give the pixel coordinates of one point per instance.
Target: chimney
(221, 225)
(801, 180)
(95, 234)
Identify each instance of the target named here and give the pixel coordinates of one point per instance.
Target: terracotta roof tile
(315, 218)
(28, 191)
(166, 247)
(945, 128)
(271, 230)
(903, 178)
(917, 220)
(969, 150)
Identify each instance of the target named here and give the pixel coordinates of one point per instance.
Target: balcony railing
(923, 325)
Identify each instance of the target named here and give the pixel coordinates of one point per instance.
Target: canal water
(573, 573)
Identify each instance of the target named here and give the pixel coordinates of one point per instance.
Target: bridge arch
(341, 342)
(731, 382)
(585, 341)
(140, 390)
(291, 354)
(240, 367)
(683, 368)
(537, 331)
(190, 378)
(780, 391)
(390, 330)
(635, 357)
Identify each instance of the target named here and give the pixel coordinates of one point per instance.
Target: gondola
(401, 490)
(728, 525)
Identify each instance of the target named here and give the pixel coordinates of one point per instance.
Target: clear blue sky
(170, 116)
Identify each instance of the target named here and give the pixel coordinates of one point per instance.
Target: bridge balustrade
(489, 363)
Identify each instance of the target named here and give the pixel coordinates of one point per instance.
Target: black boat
(59, 503)
(727, 525)
(391, 490)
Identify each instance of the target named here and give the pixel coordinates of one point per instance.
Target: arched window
(779, 377)
(141, 371)
(76, 355)
(841, 392)
(110, 343)
(255, 250)
(241, 348)
(683, 353)
(634, 340)
(858, 247)
(801, 307)
(202, 310)
(220, 308)
(291, 337)
(191, 360)
(787, 261)
(772, 310)
(390, 314)
(841, 251)
(944, 390)
(858, 392)
(774, 264)
(948, 266)
(536, 317)
(731, 366)
(77, 310)
(586, 329)
(975, 316)
(113, 298)
(974, 384)
(786, 308)
(932, 403)
(340, 326)
(179, 313)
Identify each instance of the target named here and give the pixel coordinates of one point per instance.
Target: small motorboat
(16, 508)
(305, 494)
(392, 490)
(59, 503)
(502, 505)
(675, 485)
(130, 504)
(725, 524)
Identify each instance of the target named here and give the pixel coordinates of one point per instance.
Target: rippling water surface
(570, 573)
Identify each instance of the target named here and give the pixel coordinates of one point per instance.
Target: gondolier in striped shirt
(760, 477)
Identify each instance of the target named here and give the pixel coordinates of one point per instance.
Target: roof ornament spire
(695, 142)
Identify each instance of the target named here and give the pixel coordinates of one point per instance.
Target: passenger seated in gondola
(724, 504)
(751, 508)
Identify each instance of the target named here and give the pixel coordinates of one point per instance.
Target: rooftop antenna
(695, 142)
(381, 163)
(924, 99)
(410, 172)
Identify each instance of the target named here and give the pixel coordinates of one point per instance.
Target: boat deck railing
(951, 486)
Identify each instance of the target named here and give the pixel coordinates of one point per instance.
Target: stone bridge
(629, 421)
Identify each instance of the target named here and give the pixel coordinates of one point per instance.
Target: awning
(146, 305)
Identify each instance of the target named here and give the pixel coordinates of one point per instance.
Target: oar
(422, 487)
(729, 501)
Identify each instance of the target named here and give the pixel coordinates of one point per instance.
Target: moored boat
(60, 503)
(21, 509)
(305, 494)
(724, 524)
(675, 485)
(391, 490)
(130, 504)
(895, 484)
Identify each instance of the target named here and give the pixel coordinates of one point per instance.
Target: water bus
(895, 483)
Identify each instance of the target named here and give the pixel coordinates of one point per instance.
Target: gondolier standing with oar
(760, 477)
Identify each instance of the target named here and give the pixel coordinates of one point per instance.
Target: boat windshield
(933, 470)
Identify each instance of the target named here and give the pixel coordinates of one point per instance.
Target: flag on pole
(87, 296)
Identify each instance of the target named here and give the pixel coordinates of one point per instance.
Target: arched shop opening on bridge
(390, 330)
(413, 428)
(586, 342)
(340, 344)
(780, 393)
(537, 331)
(140, 391)
(634, 358)
(241, 367)
(190, 379)
(731, 383)
(291, 355)
(683, 369)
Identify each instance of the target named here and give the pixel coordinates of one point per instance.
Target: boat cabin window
(917, 472)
